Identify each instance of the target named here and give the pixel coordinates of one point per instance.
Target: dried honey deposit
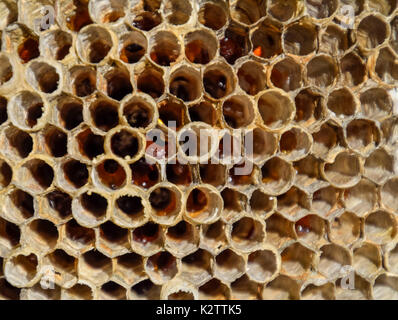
(86, 213)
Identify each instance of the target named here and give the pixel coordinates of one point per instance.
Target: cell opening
(177, 12)
(46, 77)
(56, 142)
(94, 44)
(276, 109)
(218, 80)
(71, 114)
(111, 174)
(105, 114)
(138, 113)
(179, 174)
(371, 32)
(23, 201)
(251, 76)
(28, 49)
(40, 172)
(143, 174)
(238, 111)
(43, 232)
(185, 84)
(286, 75)
(212, 15)
(151, 82)
(60, 202)
(200, 47)
(5, 174)
(300, 38)
(165, 49)
(235, 44)
(84, 81)
(78, 234)
(90, 145)
(125, 144)
(75, 173)
(321, 71)
(94, 203)
(133, 48)
(118, 84)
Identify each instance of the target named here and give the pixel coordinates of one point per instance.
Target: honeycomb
(84, 83)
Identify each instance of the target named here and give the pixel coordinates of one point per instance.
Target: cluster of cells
(83, 206)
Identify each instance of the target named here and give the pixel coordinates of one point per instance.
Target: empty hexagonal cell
(242, 174)
(10, 235)
(248, 12)
(318, 292)
(235, 43)
(112, 291)
(37, 292)
(144, 174)
(308, 173)
(161, 267)
(78, 16)
(145, 290)
(177, 12)
(238, 111)
(203, 204)
(367, 259)
(28, 48)
(8, 291)
(185, 83)
(283, 11)
(353, 70)
(111, 174)
(266, 40)
(77, 237)
(147, 239)
(263, 265)
(247, 234)
(56, 141)
(300, 38)
(104, 114)
(389, 194)
(166, 203)
(309, 107)
(328, 140)
(150, 81)
(93, 43)
(281, 288)
(251, 76)
(379, 166)
(321, 71)
(44, 77)
(108, 11)
(245, 289)
(127, 144)
(344, 172)
(218, 80)
(297, 260)
(345, 229)
(64, 265)
(277, 176)
(204, 111)
(75, 174)
(197, 267)
(386, 68)
(36, 175)
(259, 145)
(57, 43)
(279, 230)
(129, 268)
(372, 31)
(83, 80)
(129, 210)
(332, 260)
(295, 144)
(116, 81)
(112, 240)
(181, 239)
(165, 48)
(95, 267)
(213, 14)
(380, 227)
(362, 135)
(21, 206)
(310, 229)
(26, 110)
(3, 109)
(213, 174)
(90, 145)
(294, 203)
(214, 289)
(213, 237)
(41, 234)
(21, 269)
(234, 203)
(325, 201)
(261, 203)
(133, 47)
(361, 198)
(286, 74)
(200, 46)
(147, 20)
(229, 265)
(385, 288)
(90, 208)
(342, 102)
(321, 9)
(334, 40)
(79, 291)
(179, 174)
(375, 103)
(138, 112)
(276, 109)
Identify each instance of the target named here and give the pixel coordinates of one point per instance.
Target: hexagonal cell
(83, 80)
(37, 292)
(10, 236)
(388, 194)
(79, 291)
(360, 291)
(147, 20)
(229, 265)
(200, 46)
(218, 80)
(251, 76)
(55, 141)
(204, 204)
(279, 230)
(362, 135)
(214, 289)
(76, 237)
(22, 206)
(75, 173)
(108, 11)
(17, 143)
(161, 267)
(328, 140)
(213, 15)
(342, 102)
(297, 260)
(129, 210)
(277, 176)
(79, 16)
(28, 49)
(8, 291)
(5, 174)
(63, 265)
(90, 209)
(116, 81)
(300, 38)
(295, 144)
(248, 12)
(181, 239)
(281, 288)
(242, 174)
(112, 240)
(235, 43)
(144, 174)
(93, 44)
(247, 234)
(197, 267)
(165, 48)
(386, 68)
(372, 31)
(308, 173)
(177, 12)
(310, 229)
(44, 77)
(90, 145)
(95, 267)
(238, 111)
(322, 71)
(283, 11)
(321, 9)
(104, 114)
(145, 290)
(332, 260)
(111, 174)
(166, 203)
(138, 112)
(367, 259)
(41, 234)
(353, 70)
(259, 145)
(334, 40)
(345, 229)
(234, 203)
(380, 227)
(147, 239)
(379, 166)
(133, 47)
(213, 237)
(179, 174)
(294, 203)
(150, 81)
(344, 172)
(266, 39)
(129, 268)
(385, 288)
(325, 201)
(262, 265)
(204, 111)
(172, 110)
(389, 129)
(57, 43)
(127, 144)
(318, 292)
(245, 289)
(185, 83)
(376, 103)
(261, 204)
(361, 198)
(286, 74)
(112, 291)
(309, 107)
(21, 269)
(26, 110)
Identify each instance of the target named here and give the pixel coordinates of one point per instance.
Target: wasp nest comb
(87, 212)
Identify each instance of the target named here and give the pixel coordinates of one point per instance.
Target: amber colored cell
(179, 174)
(144, 174)
(233, 46)
(197, 201)
(60, 202)
(288, 142)
(28, 50)
(132, 53)
(147, 20)
(111, 174)
(80, 17)
(163, 200)
(196, 52)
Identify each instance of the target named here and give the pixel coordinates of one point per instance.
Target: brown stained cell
(249, 11)
(267, 40)
(300, 38)
(80, 17)
(132, 53)
(166, 48)
(149, 232)
(185, 85)
(112, 233)
(164, 263)
(5, 174)
(84, 83)
(34, 112)
(172, 110)
(282, 10)
(23, 201)
(203, 111)
(163, 200)
(196, 52)
(10, 232)
(212, 16)
(61, 202)
(180, 174)
(286, 74)
(303, 226)
(151, 82)
(118, 84)
(124, 144)
(147, 20)
(105, 115)
(98, 50)
(130, 205)
(308, 105)
(238, 112)
(180, 231)
(8, 291)
(251, 77)
(71, 115)
(197, 201)
(6, 71)
(77, 233)
(3, 110)
(234, 45)
(90, 144)
(56, 142)
(94, 203)
(21, 141)
(76, 173)
(42, 173)
(138, 115)
(111, 174)
(321, 9)
(215, 83)
(288, 142)
(28, 49)
(144, 174)
(245, 177)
